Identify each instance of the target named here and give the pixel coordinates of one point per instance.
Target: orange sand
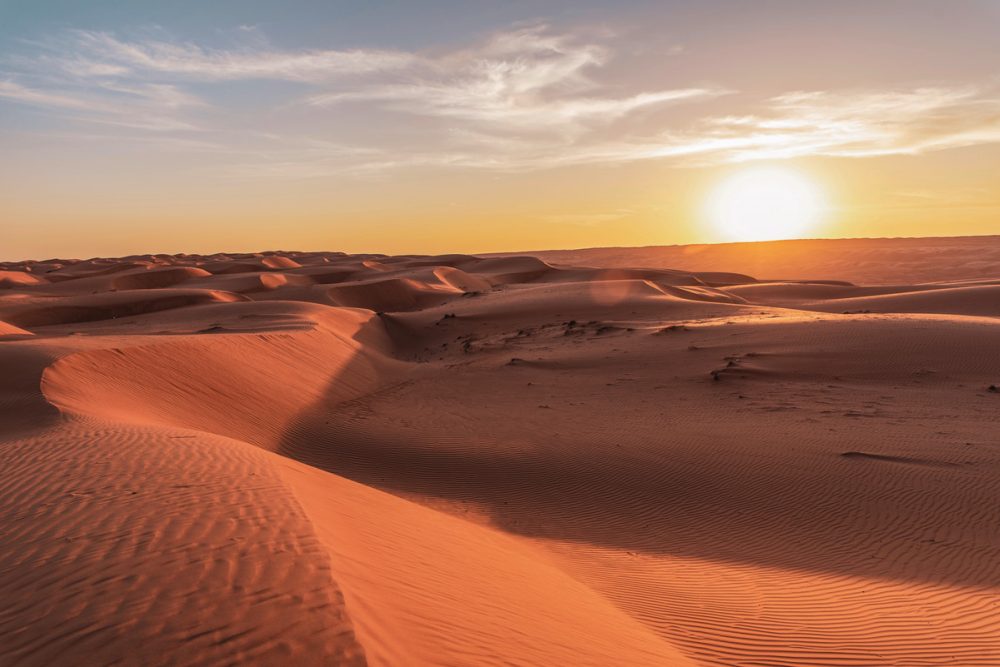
(315, 458)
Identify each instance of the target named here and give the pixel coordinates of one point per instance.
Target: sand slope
(316, 458)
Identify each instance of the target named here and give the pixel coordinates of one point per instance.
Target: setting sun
(765, 203)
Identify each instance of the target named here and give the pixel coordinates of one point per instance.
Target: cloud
(14, 91)
(522, 99)
(855, 124)
(469, 100)
(147, 84)
(524, 79)
(103, 54)
(858, 124)
(140, 106)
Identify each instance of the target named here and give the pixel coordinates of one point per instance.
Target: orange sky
(242, 127)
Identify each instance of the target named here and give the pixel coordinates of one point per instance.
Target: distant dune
(779, 454)
(863, 261)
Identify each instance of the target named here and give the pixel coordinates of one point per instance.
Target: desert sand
(763, 454)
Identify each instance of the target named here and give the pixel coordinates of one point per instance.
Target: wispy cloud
(854, 124)
(47, 98)
(865, 124)
(147, 84)
(529, 98)
(467, 100)
(843, 125)
(524, 79)
(104, 54)
(140, 106)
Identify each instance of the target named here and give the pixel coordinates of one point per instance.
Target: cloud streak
(12, 90)
(141, 106)
(855, 124)
(867, 124)
(528, 79)
(522, 99)
(103, 54)
(852, 125)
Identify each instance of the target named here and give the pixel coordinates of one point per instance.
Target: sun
(765, 203)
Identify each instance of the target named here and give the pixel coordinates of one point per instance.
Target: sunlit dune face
(765, 203)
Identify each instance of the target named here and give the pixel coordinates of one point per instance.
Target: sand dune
(10, 279)
(965, 300)
(391, 294)
(315, 458)
(863, 261)
(7, 329)
(157, 278)
(962, 298)
(461, 280)
(49, 311)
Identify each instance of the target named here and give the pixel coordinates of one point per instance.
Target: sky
(427, 127)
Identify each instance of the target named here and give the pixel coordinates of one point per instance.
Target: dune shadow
(846, 516)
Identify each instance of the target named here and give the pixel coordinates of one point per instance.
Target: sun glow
(765, 203)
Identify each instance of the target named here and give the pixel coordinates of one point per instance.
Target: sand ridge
(319, 458)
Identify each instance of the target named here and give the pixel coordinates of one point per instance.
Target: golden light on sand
(765, 203)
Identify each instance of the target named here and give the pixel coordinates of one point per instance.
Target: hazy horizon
(509, 251)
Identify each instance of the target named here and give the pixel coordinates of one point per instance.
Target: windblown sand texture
(315, 458)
